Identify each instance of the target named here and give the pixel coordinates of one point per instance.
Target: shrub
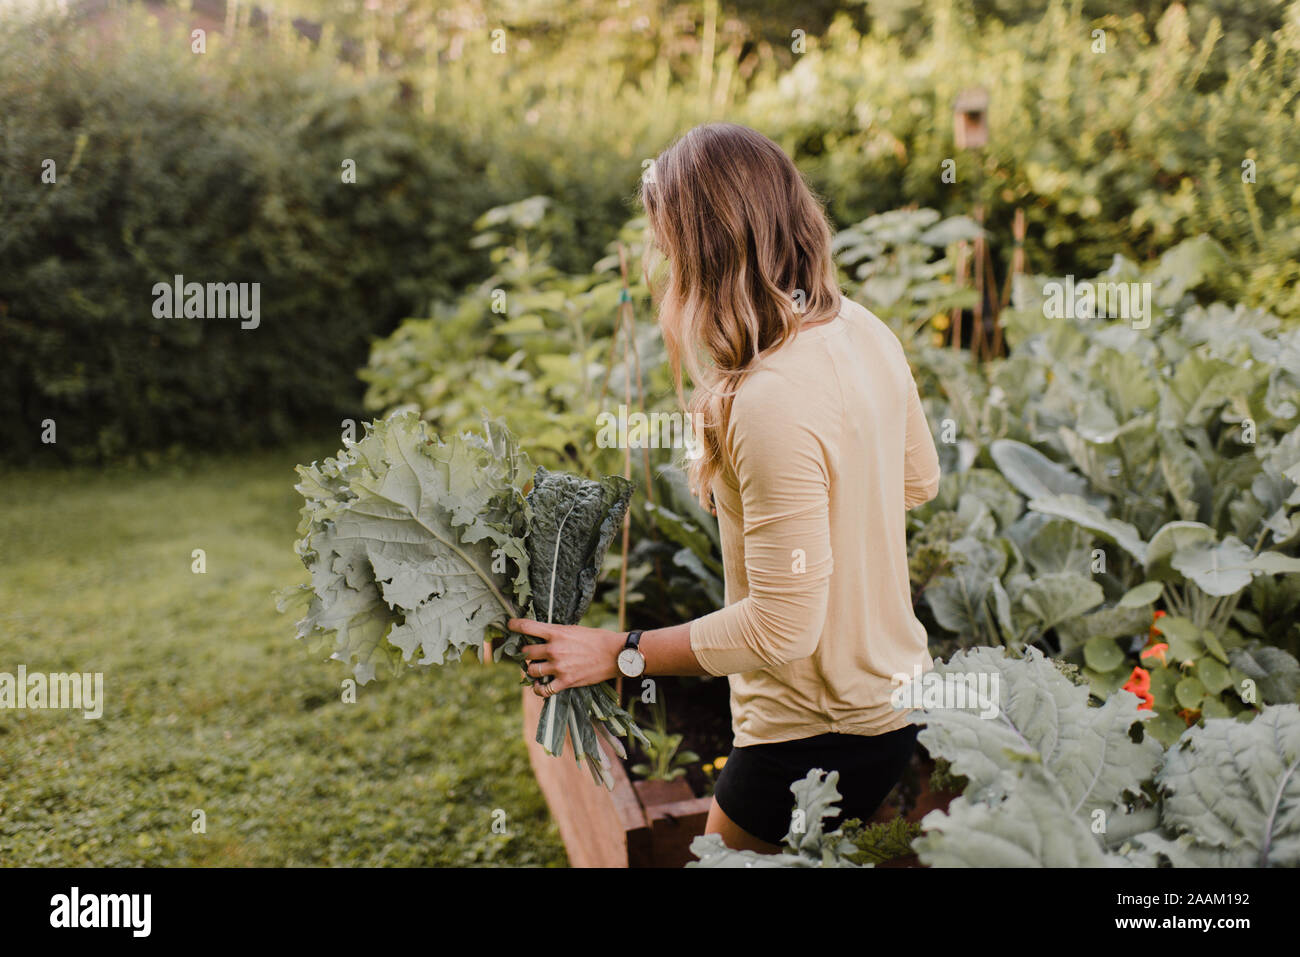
(1129, 151)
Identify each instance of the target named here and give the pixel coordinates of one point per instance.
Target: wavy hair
(748, 250)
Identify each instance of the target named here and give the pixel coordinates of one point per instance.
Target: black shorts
(753, 789)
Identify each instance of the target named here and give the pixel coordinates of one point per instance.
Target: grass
(210, 705)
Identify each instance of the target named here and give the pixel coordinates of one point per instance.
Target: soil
(699, 709)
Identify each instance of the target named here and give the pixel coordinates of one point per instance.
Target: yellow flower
(708, 769)
(936, 339)
(720, 762)
(939, 321)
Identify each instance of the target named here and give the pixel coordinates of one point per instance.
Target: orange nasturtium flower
(1155, 618)
(1190, 715)
(1155, 651)
(1139, 682)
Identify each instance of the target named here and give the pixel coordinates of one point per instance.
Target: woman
(813, 445)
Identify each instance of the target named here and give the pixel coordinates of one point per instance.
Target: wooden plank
(673, 826)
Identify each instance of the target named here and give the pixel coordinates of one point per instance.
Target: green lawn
(210, 704)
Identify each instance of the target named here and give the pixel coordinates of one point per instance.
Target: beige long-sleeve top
(827, 446)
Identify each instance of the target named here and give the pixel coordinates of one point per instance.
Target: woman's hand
(572, 656)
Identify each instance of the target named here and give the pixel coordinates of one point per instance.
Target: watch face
(631, 662)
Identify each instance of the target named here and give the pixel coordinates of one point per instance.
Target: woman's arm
(575, 656)
(921, 459)
(776, 445)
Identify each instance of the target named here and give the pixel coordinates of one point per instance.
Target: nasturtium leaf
(1163, 682)
(1212, 707)
(1103, 654)
(1103, 684)
(1115, 622)
(1142, 595)
(1166, 727)
(1182, 636)
(1213, 645)
(1213, 675)
(1274, 563)
(1188, 692)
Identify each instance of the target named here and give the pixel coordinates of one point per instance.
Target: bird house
(971, 119)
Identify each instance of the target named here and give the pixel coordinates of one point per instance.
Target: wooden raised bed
(652, 823)
(641, 824)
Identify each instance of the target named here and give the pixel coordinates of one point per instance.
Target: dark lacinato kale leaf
(574, 520)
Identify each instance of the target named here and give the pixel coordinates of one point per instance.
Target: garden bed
(641, 824)
(652, 823)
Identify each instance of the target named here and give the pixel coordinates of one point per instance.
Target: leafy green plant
(1056, 781)
(807, 843)
(1094, 464)
(527, 339)
(547, 358)
(666, 762)
(882, 841)
(1101, 473)
(1120, 161)
(1053, 780)
(901, 262)
(420, 549)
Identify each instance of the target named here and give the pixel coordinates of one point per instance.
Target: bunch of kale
(420, 548)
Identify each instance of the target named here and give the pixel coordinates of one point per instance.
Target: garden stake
(960, 279)
(625, 305)
(1017, 267)
(977, 329)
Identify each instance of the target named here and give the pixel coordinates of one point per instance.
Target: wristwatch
(631, 663)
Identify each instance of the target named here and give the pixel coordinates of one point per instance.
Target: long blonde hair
(748, 248)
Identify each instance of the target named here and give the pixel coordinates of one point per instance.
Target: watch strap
(633, 639)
